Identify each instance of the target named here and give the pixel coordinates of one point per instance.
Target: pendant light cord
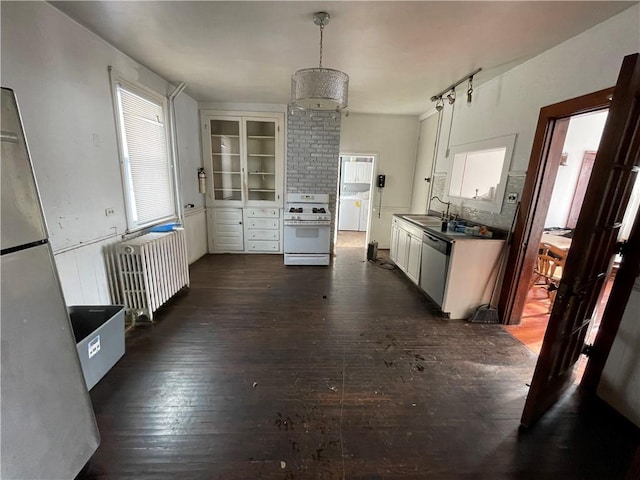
(453, 110)
(321, 30)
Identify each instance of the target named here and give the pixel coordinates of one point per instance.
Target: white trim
(85, 243)
(495, 206)
(243, 107)
(427, 114)
(116, 78)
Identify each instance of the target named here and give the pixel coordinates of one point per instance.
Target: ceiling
(397, 54)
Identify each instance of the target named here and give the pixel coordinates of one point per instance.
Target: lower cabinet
(393, 248)
(459, 283)
(226, 233)
(263, 230)
(406, 248)
(245, 230)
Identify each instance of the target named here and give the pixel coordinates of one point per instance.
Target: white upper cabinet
(243, 157)
(357, 172)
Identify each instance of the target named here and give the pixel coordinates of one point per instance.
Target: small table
(563, 243)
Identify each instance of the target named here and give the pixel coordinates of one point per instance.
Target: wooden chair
(548, 269)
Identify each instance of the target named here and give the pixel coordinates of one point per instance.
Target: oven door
(306, 238)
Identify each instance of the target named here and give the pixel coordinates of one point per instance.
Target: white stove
(307, 229)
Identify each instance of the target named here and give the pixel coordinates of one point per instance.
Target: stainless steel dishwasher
(435, 263)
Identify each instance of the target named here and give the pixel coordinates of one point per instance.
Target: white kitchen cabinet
(363, 172)
(471, 276)
(244, 162)
(226, 232)
(393, 244)
(463, 280)
(356, 172)
(349, 172)
(406, 248)
(262, 230)
(414, 255)
(243, 154)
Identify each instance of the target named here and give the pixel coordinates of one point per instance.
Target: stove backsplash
(313, 151)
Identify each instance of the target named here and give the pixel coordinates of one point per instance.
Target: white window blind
(146, 165)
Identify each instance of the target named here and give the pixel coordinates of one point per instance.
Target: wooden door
(593, 245)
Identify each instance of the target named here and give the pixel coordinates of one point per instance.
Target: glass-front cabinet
(243, 156)
(261, 160)
(226, 168)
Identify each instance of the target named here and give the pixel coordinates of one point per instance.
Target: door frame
(544, 161)
(374, 165)
(615, 169)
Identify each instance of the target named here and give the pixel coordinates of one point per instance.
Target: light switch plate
(512, 197)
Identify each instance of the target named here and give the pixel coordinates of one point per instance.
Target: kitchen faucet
(448, 204)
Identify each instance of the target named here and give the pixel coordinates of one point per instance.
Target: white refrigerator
(48, 428)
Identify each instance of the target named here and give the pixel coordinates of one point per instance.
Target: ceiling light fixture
(439, 104)
(319, 88)
(451, 96)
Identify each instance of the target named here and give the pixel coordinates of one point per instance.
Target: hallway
(265, 371)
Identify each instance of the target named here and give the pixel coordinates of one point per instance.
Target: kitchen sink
(424, 220)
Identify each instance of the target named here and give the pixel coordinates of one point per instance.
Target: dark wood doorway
(596, 232)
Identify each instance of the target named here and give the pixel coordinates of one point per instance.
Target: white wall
(58, 70)
(620, 382)
(511, 103)
(583, 135)
(189, 152)
(424, 163)
(393, 139)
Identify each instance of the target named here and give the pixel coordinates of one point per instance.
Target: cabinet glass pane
(261, 160)
(227, 186)
(225, 155)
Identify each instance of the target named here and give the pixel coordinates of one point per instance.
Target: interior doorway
(594, 244)
(354, 204)
(565, 200)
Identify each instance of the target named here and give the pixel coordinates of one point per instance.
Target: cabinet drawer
(227, 215)
(262, 246)
(262, 212)
(263, 235)
(264, 223)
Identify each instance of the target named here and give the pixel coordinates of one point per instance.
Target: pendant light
(320, 88)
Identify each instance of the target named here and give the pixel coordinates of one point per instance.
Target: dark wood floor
(266, 371)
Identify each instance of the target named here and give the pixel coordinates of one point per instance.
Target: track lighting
(451, 89)
(452, 96)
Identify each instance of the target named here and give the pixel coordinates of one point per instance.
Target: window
(478, 171)
(146, 168)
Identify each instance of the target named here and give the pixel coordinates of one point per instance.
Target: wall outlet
(109, 211)
(512, 197)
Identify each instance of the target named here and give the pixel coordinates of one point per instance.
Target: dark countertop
(432, 225)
